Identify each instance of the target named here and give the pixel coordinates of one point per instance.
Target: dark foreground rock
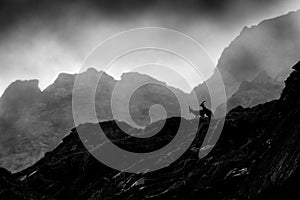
(256, 157)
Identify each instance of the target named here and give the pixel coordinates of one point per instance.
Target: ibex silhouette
(206, 111)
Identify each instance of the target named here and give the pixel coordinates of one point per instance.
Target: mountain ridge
(259, 164)
(49, 115)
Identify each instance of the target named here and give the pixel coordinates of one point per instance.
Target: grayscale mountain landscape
(46, 154)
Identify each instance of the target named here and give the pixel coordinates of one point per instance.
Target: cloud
(14, 10)
(41, 38)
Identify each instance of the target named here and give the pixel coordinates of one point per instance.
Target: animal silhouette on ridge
(203, 112)
(206, 111)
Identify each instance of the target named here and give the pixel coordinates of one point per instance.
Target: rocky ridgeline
(33, 122)
(256, 157)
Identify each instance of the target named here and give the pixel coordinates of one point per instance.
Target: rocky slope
(256, 157)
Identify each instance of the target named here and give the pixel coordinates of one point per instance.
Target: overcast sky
(40, 39)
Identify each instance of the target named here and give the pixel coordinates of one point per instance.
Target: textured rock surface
(256, 157)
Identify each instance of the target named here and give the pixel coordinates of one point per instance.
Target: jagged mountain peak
(21, 90)
(92, 70)
(141, 79)
(261, 89)
(93, 74)
(137, 76)
(64, 77)
(262, 78)
(23, 85)
(19, 96)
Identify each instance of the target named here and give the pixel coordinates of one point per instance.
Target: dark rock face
(256, 157)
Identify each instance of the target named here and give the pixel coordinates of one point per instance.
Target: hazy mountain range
(253, 67)
(33, 121)
(261, 89)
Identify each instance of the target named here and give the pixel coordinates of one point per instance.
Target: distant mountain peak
(262, 78)
(138, 78)
(64, 76)
(32, 82)
(18, 96)
(92, 70)
(136, 75)
(22, 85)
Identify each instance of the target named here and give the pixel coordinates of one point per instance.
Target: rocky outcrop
(256, 157)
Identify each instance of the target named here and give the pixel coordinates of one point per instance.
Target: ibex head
(202, 104)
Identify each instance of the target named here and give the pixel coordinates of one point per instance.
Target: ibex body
(206, 111)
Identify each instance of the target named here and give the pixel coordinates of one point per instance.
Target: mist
(41, 39)
(273, 46)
